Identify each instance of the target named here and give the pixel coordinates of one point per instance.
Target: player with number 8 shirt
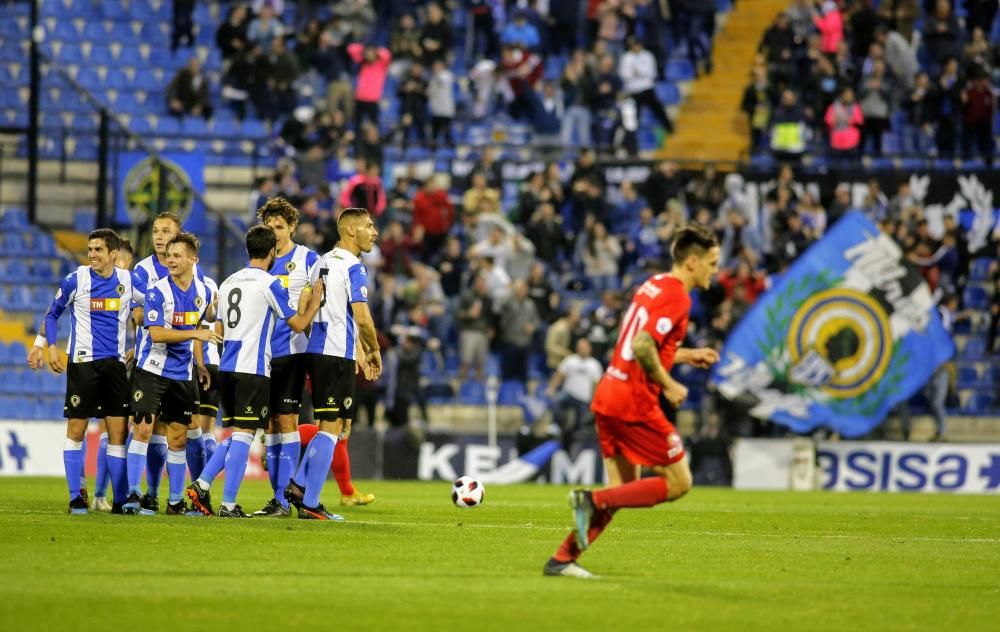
(632, 429)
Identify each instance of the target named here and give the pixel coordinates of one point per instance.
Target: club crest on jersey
(74, 400)
(136, 396)
(198, 301)
(120, 289)
(290, 266)
(347, 402)
(264, 411)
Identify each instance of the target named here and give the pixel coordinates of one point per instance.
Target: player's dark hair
(351, 213)
(124, 243)
(692, 239)
(188, 240)
(278, 207)
(260, 241)
(110, 237)
(173, 217)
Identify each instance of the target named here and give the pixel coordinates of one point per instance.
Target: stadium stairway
(710, 125)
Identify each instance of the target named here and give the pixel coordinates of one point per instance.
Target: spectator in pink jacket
(830, 24)
(844, 118)
(374, 65)
(365, 190)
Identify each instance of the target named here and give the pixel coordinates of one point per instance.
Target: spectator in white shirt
(441, 99)
(572, 388)
(637, 69)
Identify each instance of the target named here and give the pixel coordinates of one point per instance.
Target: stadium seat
(14, 219)
(968, 377)
(980, 268)
(4, 354)
(472, 393)
(976, 298)
(511, 392)
(974, 349)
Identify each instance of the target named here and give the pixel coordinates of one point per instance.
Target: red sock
(568, 551)
(644, 492)
(342, 468)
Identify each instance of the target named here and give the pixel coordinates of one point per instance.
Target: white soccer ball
(467, 492)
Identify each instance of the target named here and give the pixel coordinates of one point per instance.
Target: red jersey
(660, 307)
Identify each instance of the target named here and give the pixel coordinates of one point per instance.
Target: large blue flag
(848, 332)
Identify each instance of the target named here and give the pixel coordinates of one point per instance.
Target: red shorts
(653, 442)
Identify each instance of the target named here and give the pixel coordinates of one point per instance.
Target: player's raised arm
(647, 354)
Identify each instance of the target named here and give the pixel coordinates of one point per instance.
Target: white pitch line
(514, 527)
(736, 534)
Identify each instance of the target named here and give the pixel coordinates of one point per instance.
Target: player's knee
(287, 423)
(679, 483)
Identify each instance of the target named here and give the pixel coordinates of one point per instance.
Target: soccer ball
(467, 492)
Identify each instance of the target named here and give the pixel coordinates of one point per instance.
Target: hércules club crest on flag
(850, 330)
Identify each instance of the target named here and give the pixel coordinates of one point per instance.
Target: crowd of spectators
(843, 78)
(577, 73)
(480, 281)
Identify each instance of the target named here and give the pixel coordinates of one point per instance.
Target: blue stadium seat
(968, 377)
(44, 245)
(168, 126)
(23, 407)
(43, 272)
(65, 31)
(89, 79)
(117, 80)
(472, 393)
(70, 53)
(679, 70)
(99, 53)
(978, 403)
(976, 298)
(52, 384)
(194, 126)
(974, 349)
(511, 392)
(4, 354)
(980, 268)
(668, 93)
(14, 219)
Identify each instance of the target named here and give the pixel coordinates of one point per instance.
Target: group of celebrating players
(292, 313)
(289, 314)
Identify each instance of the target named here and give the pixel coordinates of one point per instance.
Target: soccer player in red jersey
(631, 426)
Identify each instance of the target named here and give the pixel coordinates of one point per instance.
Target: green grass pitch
(718, 559)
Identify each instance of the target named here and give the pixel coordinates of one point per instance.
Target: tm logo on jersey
(105, 304)
(184, 318)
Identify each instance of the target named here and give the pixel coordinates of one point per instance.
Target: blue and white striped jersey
(211, 349)
(248, 301)
(99, 313)
(168, 306)
(292, 269)
(333, 330)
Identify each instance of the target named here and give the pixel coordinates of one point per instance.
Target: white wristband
(40, 341)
